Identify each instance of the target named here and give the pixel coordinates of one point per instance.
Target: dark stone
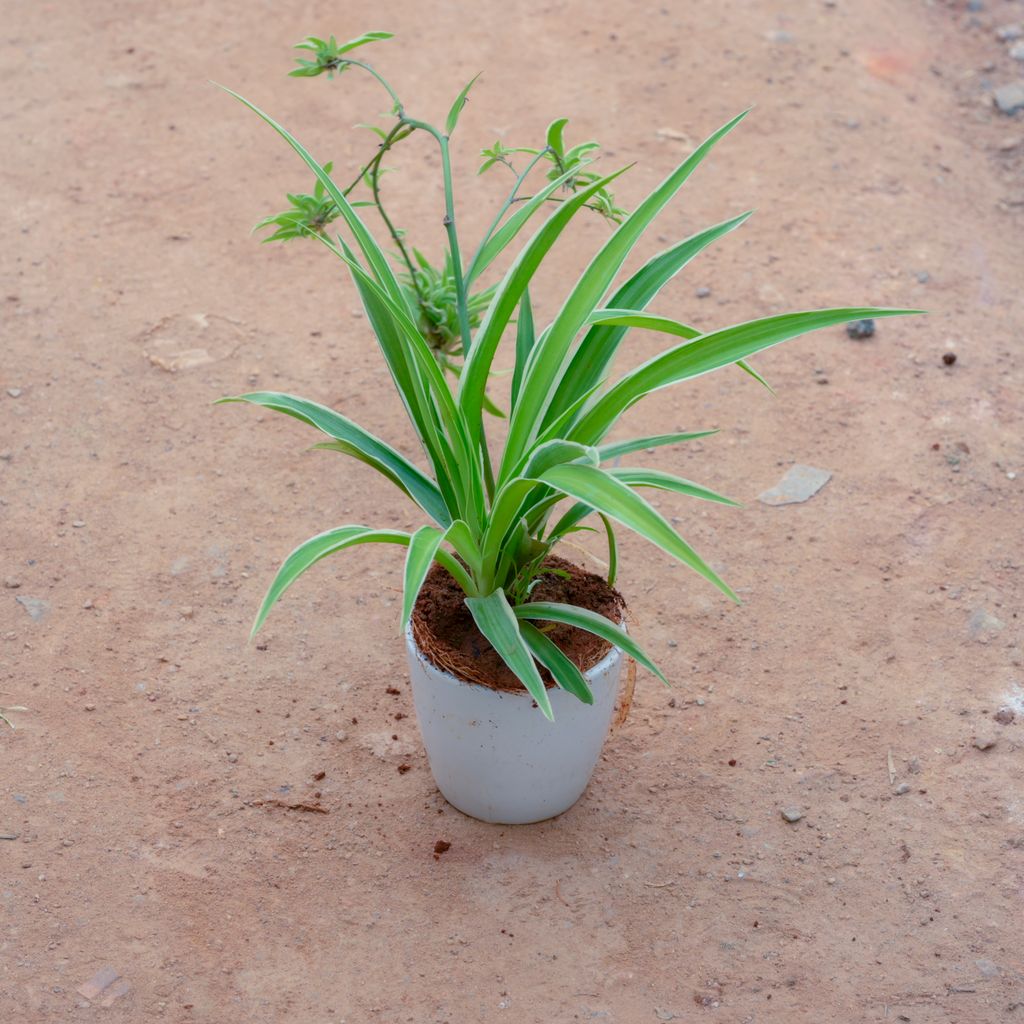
(860, 329)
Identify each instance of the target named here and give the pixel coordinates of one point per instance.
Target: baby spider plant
(431, 289)
(493, 516)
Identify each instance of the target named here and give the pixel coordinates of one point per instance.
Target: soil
(446, 633)
(156, 854)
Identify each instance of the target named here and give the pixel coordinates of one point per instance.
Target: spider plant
(494, 516)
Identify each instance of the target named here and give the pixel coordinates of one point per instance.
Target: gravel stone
(792, 814)
(1009, 98)
(36, 607)
(860, 329)
(1005, 716)
(797, 484)
(984, 742)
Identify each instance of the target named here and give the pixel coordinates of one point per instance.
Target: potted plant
(515, 653)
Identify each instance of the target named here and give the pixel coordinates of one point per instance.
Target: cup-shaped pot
(493, 754)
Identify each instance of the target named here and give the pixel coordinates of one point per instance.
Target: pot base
(492, 753)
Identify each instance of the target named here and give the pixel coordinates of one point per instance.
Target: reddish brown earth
(445, 631)
(157, 780)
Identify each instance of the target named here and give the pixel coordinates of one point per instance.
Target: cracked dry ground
(157, 781)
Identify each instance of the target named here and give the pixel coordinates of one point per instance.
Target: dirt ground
(146, 795)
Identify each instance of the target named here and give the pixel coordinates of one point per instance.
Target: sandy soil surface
(145, 798)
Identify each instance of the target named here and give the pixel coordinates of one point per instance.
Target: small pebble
(923, 276)
(703, 293)
(831, 880)
(12, 583)
(186, 612)
(903, 788)
(948, 358)
(700, 702)
(14, 392)
(341, 735)
(859, 329)
(90, 707)
(78, 524)
(1005, 716)
(1009, 98)
(984, 742)
(792, 814)
(673, 643)
(88, 604)
(1017, 51)
(233, 758)
(1008, 33)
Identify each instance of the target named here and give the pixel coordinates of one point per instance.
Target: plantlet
(494, 517)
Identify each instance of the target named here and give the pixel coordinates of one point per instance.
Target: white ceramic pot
(493, 754)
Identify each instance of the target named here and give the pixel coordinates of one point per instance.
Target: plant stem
(460, 281)
(449, 223)
(374, 166)
(399, 109)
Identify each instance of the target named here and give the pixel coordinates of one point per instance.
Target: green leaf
(496, 242)
(564, 670)
(495, 619)
(637, 477)
(594, 356)
(460, 101)
(311, 551)
(413, 481)
(613, 550)
(544, 372)
(605, 494)
(367, 37)
(706, 353)
(554, 136)
(524, 343)
(554, 453)
(418, 560)
(477, 367)
(607, 452)
(592, 622)
(373, 253)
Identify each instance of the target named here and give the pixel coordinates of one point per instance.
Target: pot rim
(602, 666)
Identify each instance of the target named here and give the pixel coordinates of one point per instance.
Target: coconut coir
(445, 632)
